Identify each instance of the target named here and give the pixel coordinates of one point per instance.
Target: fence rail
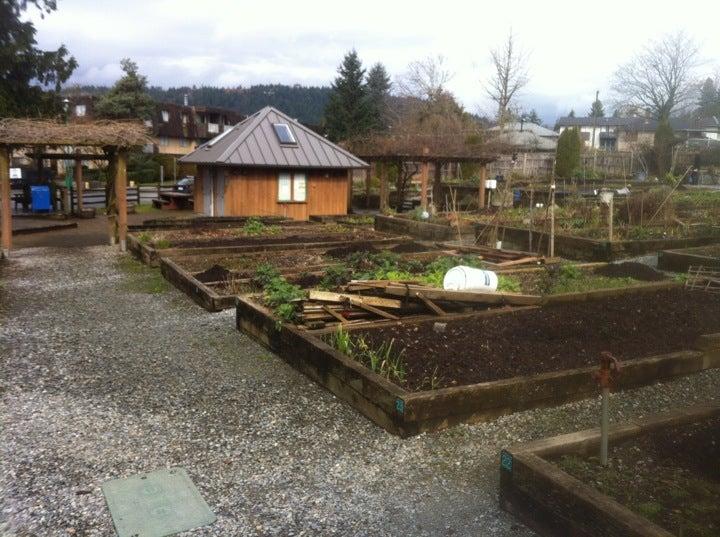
(96, 198)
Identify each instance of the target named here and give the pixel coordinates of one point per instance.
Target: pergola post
(384, 192)
(121, 196)
(6, 224)
(481, 192)
(425, 172)
(350, 176)
(79, 186)
(369, 172)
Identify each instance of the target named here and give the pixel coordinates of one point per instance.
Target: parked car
(185, 185)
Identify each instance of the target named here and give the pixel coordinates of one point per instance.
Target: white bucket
(462, 278)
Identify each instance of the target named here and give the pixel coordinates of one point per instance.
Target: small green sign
(506, 460)
(400, 406)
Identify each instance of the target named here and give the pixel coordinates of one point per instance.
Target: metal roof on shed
(253, 142)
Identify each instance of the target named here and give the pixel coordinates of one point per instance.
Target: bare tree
(425, 79)
(659, 80)
(510, 76)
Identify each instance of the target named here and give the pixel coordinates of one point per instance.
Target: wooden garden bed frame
(151, 256)
(553, 502)
(680, 260)
(581, 248)
(408, 413)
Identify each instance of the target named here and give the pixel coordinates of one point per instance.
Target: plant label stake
(606, 376)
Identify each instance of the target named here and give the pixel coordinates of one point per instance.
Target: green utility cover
(160, 503)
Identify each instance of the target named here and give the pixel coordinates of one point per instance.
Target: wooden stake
(384, 191)
(334, 314)
(481, 191)
(6, 225)
(121, 197)
(79, 186)
(376, 311)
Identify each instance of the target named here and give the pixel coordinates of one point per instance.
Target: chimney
(185, 99)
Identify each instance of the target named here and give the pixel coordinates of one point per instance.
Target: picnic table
(174, 201)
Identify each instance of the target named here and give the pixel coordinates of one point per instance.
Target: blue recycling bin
(40, 198)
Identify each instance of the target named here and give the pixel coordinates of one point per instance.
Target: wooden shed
(270, 164)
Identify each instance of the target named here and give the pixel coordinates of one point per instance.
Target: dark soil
(216, 273)
(344, 251)
(408, 248)
(305, 280)
(671, 477)
(284, 238)
(551, 338)
(630, 269)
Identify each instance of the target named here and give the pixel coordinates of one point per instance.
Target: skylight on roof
(284, 134)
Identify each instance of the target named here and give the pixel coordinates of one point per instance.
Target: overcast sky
(574, 46)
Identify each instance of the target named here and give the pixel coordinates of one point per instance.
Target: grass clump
(571, 279)
(142, 279)
(382, 360)
(162, 243)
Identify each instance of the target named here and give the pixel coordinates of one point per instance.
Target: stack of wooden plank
(365, 300)
(498, 257)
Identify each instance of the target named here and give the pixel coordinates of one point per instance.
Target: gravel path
(101, 380)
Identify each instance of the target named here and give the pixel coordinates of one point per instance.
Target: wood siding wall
(254, 192)
(198, 192)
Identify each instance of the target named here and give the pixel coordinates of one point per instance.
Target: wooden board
(377, 301)
(463, 296)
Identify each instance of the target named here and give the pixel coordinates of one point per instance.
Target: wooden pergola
(437, 149)
(97, 140)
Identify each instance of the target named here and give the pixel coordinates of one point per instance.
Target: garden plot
(426, 373)
(681, 260)
(214, 280)
(662, 479)
(253, 235)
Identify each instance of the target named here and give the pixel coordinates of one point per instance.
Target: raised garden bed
(574, 247)
(480, 365)
(213, 281)
(681, 260)
(662, 478)
(202, 222)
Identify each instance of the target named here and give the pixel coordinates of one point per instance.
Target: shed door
(207, 190)
(219, 192)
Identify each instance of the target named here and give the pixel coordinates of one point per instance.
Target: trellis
(96, 140)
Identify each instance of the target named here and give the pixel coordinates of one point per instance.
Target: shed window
(292, 187)
(165, 115)
(284, 134)
(80, 110)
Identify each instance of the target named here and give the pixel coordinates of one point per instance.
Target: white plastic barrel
(462, 278)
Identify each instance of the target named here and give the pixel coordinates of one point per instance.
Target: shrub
(568, 153)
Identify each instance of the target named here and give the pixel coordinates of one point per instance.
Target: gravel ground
(101, 380)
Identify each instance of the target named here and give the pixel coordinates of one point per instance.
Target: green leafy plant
(278, 293)
(264, 274)
(144, 238)
(508, 284)
(382, 360)
(161, 244)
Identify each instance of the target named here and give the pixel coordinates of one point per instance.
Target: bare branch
(509, 77)
(660, 80)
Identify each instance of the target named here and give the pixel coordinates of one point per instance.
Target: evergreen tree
(30, 78)
(662, 147)
(128, 98)
(348, 113)
(533, 117)
(597, 109)
(378, 87)
(572, 113)
(709, 101)
(567, 158)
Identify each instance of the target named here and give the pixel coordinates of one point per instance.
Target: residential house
(522, 136)
(176, 129)
(626, 133)
(270, 164)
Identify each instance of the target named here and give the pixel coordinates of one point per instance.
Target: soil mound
(408, 248)
(630, 269)
(216, 273)
(344, 251)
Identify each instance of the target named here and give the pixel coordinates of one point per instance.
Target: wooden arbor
(98, 140)
(423, 150)
(424, 160)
